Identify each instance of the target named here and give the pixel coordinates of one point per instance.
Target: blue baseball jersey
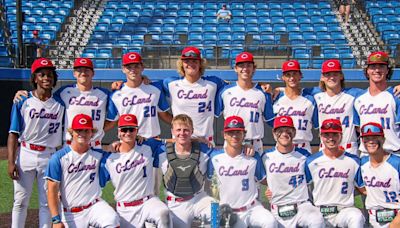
(253, 105)
(131, 173)
(196, 100)
(77, 174)
(333, 179)
(286, 175)
(384, 109)
(382, 183)
(237, 177)
(304, 112)
(38, 122)
(144, 102)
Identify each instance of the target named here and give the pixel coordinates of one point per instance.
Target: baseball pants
(347, 217)
(305, 211)
(256, 216)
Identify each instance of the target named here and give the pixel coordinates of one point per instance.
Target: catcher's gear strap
(183, 177)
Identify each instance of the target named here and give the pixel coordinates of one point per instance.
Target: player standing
(131, 173)
(285, 168)
(334, 173)
(247, 100)
(238, 175)
(194, 94)
(380, 171)
(184, 164)
(295, 103)
(73, 172)
(36, 122)
(378, 103)
(147, 102)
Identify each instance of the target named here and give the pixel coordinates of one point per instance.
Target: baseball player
(237, 176)
(380, 171)
(147, 102)
(83, 98)
(334, 173)
(194, 94)
(295, 103)
(73, 172)
(284, 164)
(378, 103)
(184, 164)
(36, 122)
(131, 173)
(247, 100)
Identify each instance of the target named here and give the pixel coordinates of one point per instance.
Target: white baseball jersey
(92, 103)
(78, 175)
(144, 102)
(38, 122)
(384, 109)
(131, 173)
(334, 179)
(196, 100)
(286, 175)
(253, 105)
(382, 183)
(237, 177)
(303, 111)
(339, 106)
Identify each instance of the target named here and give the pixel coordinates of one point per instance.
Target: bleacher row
(124, 24)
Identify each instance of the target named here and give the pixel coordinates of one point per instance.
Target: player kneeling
(131, 173)
(380, 171)
(74, 173)
(238, 175)
(334, 173)
(284, 164)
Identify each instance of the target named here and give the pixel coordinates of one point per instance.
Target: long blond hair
(181, 71)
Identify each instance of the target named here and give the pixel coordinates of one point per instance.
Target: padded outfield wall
(13, 80)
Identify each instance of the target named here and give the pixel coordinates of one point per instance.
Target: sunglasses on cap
(190, 54)
(234, 125)
(379, 58)
(128, 129)
(331, 126)
(370, 129)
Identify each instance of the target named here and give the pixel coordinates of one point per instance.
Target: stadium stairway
(76, 33)
(360, 33)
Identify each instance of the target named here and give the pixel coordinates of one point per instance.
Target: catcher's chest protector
(183, 177)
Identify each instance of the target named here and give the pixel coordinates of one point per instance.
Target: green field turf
(6, 192)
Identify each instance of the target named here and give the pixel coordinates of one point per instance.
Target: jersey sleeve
(104, 175)
(155, 146)
(268, 110)
(397, 118)
(157, 154)
(165, 85)
(219, 103)
(210, 169)
(112, 111)
(54, 169)
(308, 172)
(260, 173)
(17, 121)
(356, 117)
(358, 178)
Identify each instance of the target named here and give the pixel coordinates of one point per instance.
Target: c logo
(44, 62)
(83, 121)
(83, 61)
(378, 56)
(128, 118)
(244, 56)
(330, 64)
(284, 120)
(233, 122)
(290, 64)
(132, 56)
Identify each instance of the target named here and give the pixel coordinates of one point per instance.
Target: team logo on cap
(44, 62)
(244, 56)
(128, 118)
(291, 64)
(378, 56)
(283, 120)
(82, 121)
(83, 61)
(132, 56)
(330, 64)
(233, 122)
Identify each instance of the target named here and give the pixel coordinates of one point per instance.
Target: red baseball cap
(331, 126)
(83, 62)
(41, 63)
(372, 129)
(131, 57)
(234, 123)
(35, 32)
(332, 65)
(82, 121)
(378, 57)
(191, 53)
(127, 120)
(283, 121)
(290, 65)
(244, 57)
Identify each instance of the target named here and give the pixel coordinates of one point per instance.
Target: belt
(80, 208)
(134, 203)
(373, 212)
(179, 199)
(33, 146)
(96, 143)
(244, 208)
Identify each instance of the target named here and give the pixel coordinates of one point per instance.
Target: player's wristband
(56, 219)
